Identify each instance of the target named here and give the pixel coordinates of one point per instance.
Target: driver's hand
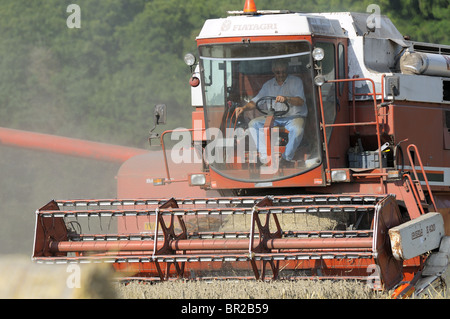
(239, 111)
(281, 99)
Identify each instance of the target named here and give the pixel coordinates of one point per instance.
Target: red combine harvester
(356, 201)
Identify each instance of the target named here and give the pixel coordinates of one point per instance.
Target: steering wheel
(271, 110)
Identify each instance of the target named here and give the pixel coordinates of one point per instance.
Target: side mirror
(159, 117)
(160, 114)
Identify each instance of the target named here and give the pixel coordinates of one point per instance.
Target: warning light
(194, 81)
(249, 6)
(158, 181)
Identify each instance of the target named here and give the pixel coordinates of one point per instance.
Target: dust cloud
(30, 179)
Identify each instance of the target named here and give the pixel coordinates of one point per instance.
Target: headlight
(198, 179)
(339, 176)
(189, 59)
(318, 54)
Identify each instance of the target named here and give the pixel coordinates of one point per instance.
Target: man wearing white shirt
(286, 88)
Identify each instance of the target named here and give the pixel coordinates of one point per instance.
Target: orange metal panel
(314, 177)
(198, 123)
(135, 177)
(423, 126)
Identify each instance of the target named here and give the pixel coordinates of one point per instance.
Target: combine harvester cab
(355, 202)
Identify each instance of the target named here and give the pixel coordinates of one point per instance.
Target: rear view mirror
(159, 117)
(160, 114)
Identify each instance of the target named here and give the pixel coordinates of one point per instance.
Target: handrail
(413, 167)
(414, 192)
(168, 178)
(376, 122)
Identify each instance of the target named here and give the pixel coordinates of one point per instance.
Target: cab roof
(270, 24)
(283, 22)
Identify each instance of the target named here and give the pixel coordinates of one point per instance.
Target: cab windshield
(277, 135)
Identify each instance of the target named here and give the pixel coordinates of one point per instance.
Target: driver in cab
(285, 88)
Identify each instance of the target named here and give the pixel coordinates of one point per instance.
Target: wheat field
(302, 289)
(298, 289)
(22, 279)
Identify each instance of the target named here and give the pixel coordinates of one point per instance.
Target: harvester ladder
(415, 184)
(376, 122)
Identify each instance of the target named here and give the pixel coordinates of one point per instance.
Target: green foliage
(101, 81)
(422, 20)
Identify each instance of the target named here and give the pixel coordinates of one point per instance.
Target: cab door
(335, 98)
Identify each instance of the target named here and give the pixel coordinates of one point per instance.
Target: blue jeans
(295, 126)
